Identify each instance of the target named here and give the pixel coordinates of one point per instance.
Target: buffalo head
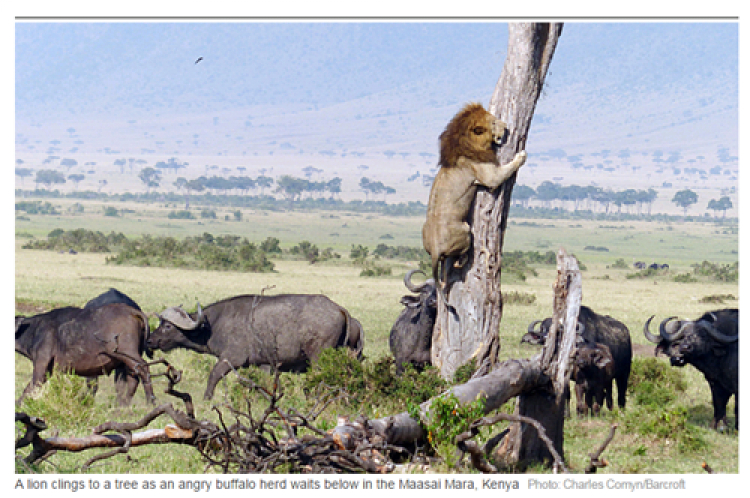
(685, 340)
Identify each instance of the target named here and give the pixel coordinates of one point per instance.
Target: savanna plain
(665, 427)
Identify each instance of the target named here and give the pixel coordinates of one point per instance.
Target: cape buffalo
(411, 335)
(89, 343)
(710, 344)
(111, 296)
(592, 370)
(286, 331)
(596, 329)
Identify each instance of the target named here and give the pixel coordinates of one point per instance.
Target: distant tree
(172, 163)
(263, 182)
(48, 177)
(121, 164)
(685, 199)
(334, 186)
(76, 179)
(721, 205)
(68, 163)
(291, 188)
(150, 177)
(523, 194)
(102, 184)
(24, 172)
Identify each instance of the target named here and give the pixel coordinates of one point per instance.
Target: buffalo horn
(670, 336)
(719, 336)
(532, 327)
(651, 337)
(414, 287)
(180, 318)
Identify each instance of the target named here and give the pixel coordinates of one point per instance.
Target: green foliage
(516, 297)
(359, 253)
(684, 278)
(372, 384)
(306, 250)
(36, 207)
(80, 239)
(596, 248)
(445, 419)
(271, 245)
(64, 401)
(654, 388)
(372, 269)
(718, 298)
(620, 264)
(204, 252)
(720, 272)
(399, 252)
(180, 215)
(208, 214)
(110, 211)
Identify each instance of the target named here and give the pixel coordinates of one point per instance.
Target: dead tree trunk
(472, 331)
(546, 404)
(541, 382)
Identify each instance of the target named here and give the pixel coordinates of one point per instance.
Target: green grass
(46, 279)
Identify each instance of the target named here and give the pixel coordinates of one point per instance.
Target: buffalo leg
(622, 388)
(137, 369)
(221, 368)
(125, 385)
(720, 398)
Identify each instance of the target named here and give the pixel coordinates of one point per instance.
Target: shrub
(180, 215)
(208, 214)
(372, 384)
(620, 263)
(723, 273)
(111, 211)
(522, 298)
(446, 418)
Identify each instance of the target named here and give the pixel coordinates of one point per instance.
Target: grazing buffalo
(111, 296)
(593, 370)
(710, 344)
(89, 343)
(285, 331)
(639, 265)
(411, 334)
(596, 329)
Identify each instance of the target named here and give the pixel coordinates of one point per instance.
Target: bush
(111, 211)
(180, 215)
(372, 384)
(206, 252)
(522, 298)
(208, 214)
(80, 240)
(620, 263)
(722, 273)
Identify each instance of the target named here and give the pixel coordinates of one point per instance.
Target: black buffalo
(411, 335)
(639, 265)
(112, 296)
(285, 331)
(89, 343)
(595, 329)
(710, 344)
(593, 370)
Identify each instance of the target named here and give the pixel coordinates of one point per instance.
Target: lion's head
(472, 133)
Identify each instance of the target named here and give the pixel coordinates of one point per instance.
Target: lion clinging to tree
(467, 160)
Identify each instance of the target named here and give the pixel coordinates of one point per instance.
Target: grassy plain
(46, 279)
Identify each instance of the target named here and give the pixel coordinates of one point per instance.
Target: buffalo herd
(288, 331)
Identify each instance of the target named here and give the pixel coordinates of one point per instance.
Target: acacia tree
(685, 198)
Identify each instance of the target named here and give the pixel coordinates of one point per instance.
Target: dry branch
(595, 460)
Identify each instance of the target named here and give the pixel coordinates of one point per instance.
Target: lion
(467, 159)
